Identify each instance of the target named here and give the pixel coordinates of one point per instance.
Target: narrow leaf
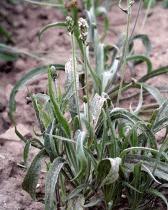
(51, 181)
(26, 151)
(20, 83)
(52, 25)
(141, 58)
(32, 176)
(160, 195)
(96, 108)
(57, 112)
(154, 92)
(80, 153)
(70, 85)
(160, 170)
(154, 73)
(49, 141)
(100, 59)
(145, 40)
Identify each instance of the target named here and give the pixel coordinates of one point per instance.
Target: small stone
(20, 64)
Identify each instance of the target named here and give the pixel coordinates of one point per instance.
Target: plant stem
(45, 4)
(146, 15)
(136, 20)
(125, 50)
(86, 84)
(74, 75)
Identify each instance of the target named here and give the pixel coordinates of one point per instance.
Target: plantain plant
(96, 153)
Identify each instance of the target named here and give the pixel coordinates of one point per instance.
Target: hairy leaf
(160, 171)
(49, 141)
(31, 178)
(96, 108)
(108, 171)
(120, 113)
(154, 92)
(161, 119)
(70, 85)
(80, 153)
(51, 181)
(56, 109)
(76, 192)
(154, 73)
(160, 195)
(20, 83)
(26, 151)
(76, 203)
(108, 76)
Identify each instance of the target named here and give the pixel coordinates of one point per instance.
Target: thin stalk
(23, 52)
(146, 15)
(55, 87)
(149, 111)
(74, 75)
(136, 20)
(149, 106)
(86, 84)
(94, 76)
(133, 95)
(125, 50)
(44, 3)
(123, 88)
(113, 138)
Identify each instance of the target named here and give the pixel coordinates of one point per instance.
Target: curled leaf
(108, 171)
(52, 25)
(80, 153)
(96, 108)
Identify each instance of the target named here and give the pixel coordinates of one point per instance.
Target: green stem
(45, 4)
(146, 15)
(74, 75)
(125, 50)
(86, 84)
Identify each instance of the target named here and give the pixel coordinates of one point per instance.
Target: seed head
(53, 72)
(52, 68)
(70, 24)
(83, 27)
(82, 23)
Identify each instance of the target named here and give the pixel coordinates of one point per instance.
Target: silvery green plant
(96, 153)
